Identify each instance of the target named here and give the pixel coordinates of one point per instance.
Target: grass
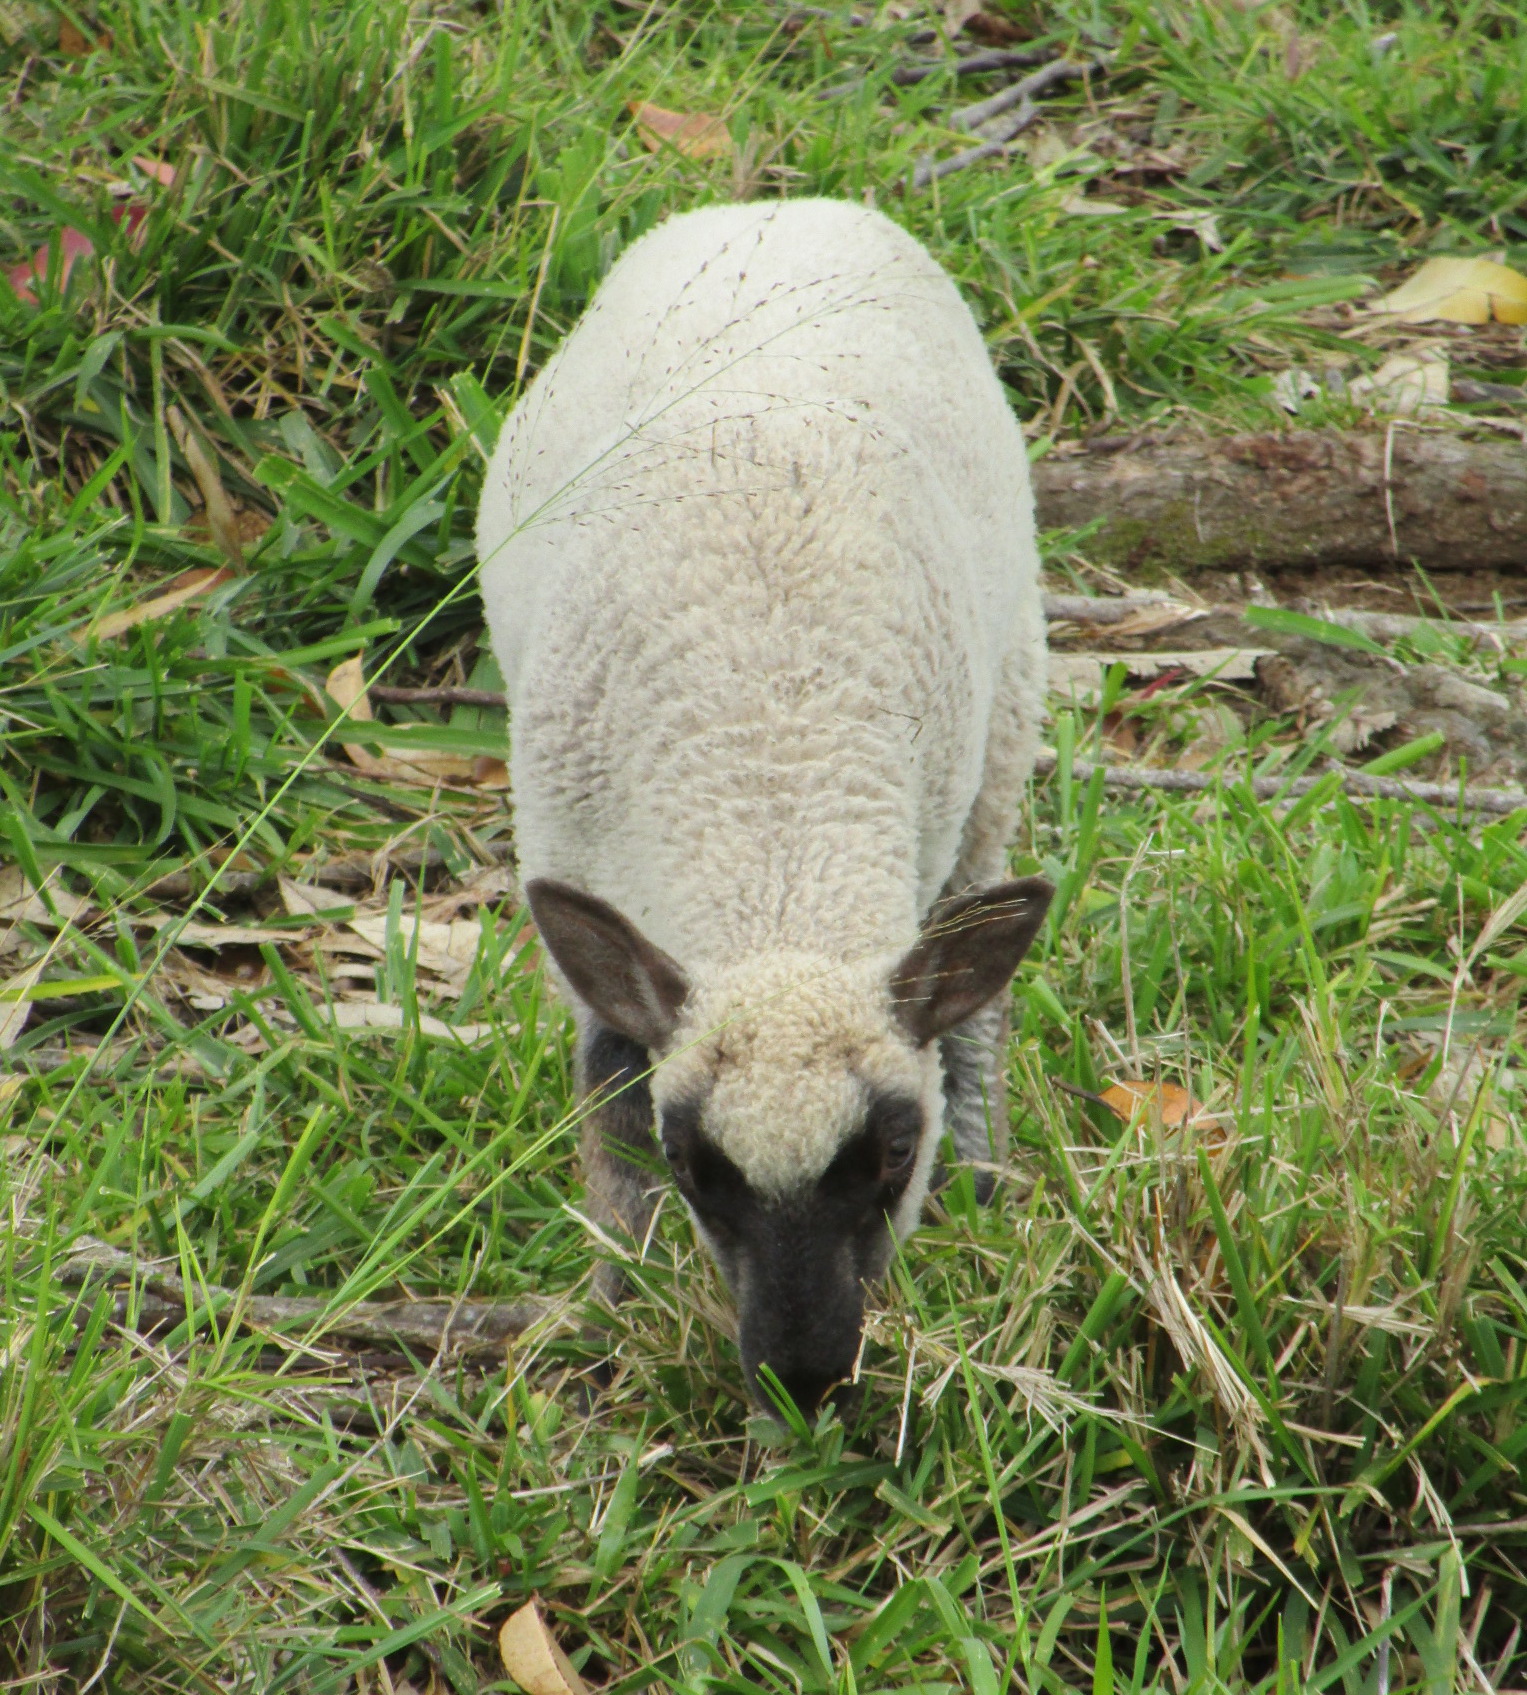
(1236, 1406)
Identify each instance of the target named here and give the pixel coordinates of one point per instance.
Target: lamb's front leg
(974, 1055)
(620, 1153)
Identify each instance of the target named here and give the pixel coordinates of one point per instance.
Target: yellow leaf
(532, 1657)
(1463, 291)
(1132, 1098)
(188, 586)
(697, 135)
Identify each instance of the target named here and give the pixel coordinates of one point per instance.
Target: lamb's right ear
(968, 950)
(628, 983)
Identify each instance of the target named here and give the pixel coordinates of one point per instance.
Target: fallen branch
(977, 64)
(1021, 95)
(1308, 498)
(459, 1327)
(1136, 777)
(1102, 611)
(442, 696)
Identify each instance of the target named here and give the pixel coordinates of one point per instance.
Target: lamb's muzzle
(758, 561)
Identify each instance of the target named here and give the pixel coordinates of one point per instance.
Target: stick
(443, 696)
(466, 1326)
(1499, 801)
(994, 59)
(1381, 626)
(1021, 95)
(1018, 93)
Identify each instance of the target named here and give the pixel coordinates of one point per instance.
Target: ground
(1225, 1399)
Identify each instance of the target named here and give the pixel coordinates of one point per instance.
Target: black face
(797, 1266)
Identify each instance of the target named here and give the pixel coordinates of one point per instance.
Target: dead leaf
(1081, 206)
(1403, 385)
(15, 1008)
(188, 586)
(377, 1015)
(20, 903)
(193, 934)
(303, 900)
(73, 43)
(221, 519)
(1461, 291)
(697, 135)
(73, 246)
(446, 950)
(159, 169)
(533, 1659)
(1131, 1098)
(1082, 674)
(346, 686)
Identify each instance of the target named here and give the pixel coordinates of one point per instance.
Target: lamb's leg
(975, 1090)
(974, 1053)
(620, 1152)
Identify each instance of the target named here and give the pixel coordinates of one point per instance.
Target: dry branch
(464, 1326)
(1303, 498)
(1021, 95)
(976, 64)
(1499, 801)
(1102, 611)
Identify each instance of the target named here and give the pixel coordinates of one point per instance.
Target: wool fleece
(759, 568)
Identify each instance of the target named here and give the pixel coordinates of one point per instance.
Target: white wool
(759, 566)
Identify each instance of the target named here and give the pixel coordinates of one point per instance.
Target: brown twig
(976, 64)
(443, 696)
(464, 1326)
(1498, 801)
(1021, 95)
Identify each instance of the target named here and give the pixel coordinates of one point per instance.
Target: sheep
(759, 569)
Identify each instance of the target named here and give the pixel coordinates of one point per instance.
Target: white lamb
(758, 561)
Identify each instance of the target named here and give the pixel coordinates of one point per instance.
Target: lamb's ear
(969, 949)
(629, 984)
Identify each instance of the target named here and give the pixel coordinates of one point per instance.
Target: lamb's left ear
(969, 949)
(628, 982)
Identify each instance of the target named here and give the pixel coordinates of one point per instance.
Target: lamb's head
(799, 1100)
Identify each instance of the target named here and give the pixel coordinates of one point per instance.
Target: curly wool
(759, 567)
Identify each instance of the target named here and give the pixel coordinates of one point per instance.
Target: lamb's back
(752, 546)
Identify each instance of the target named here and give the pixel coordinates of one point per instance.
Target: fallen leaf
(15, 1008)
(159, 169)
(73, 245)
(1402, 385)
(1462, 291)
(193, 934)
(73, 43)
(188, 586)
(1081, 206)
(447, 950)
(1291, 389)
(697, 135)
(20, 903)
(1131, 1097)
(533, 1659)
(377, 1015)
(303, 900)
(1082, 674)
(347, 689)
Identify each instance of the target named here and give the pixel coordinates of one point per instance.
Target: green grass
(1237, 1407)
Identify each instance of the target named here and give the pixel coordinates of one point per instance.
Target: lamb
(759, 569)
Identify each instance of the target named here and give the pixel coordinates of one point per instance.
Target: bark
(464, 1326)
(1300, 498)
(1447, 796)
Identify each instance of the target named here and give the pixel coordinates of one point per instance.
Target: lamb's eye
(898, 1155)
(678, 1164)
